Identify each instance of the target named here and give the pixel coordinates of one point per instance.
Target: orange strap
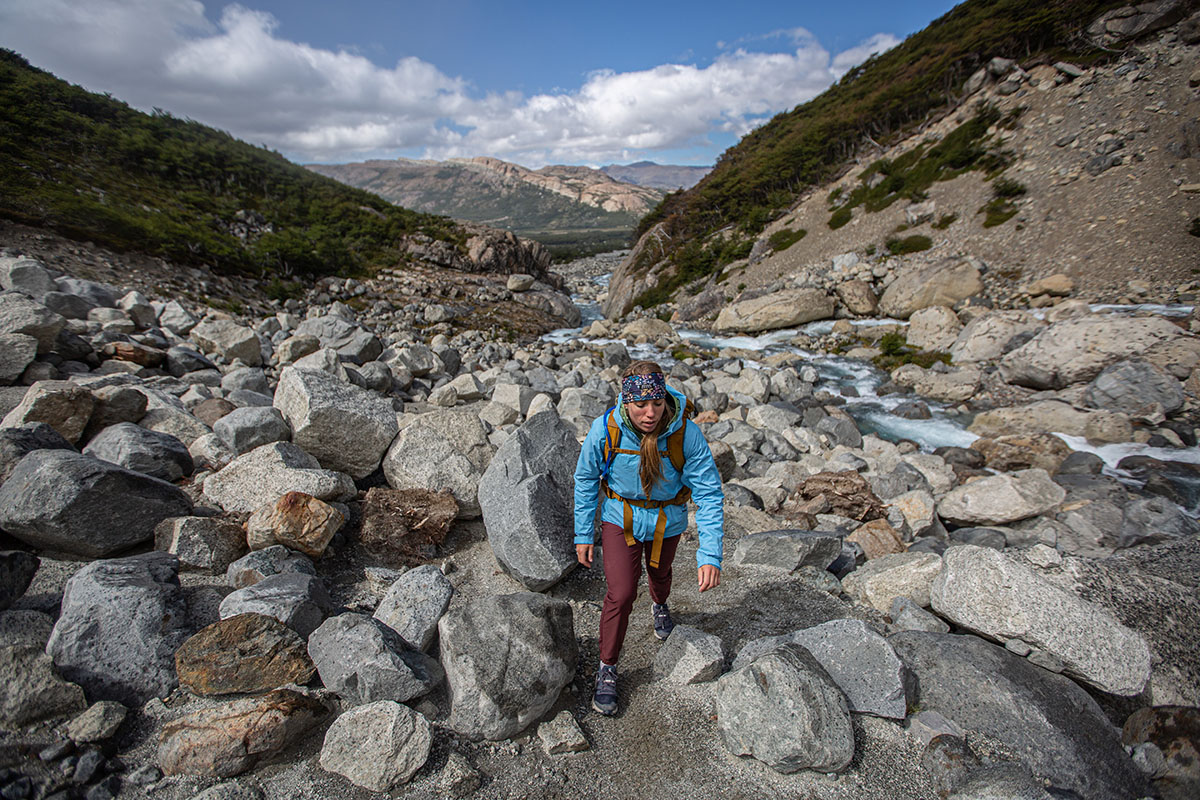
(660, 526)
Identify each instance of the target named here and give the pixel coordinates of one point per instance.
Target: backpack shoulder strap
(675, 440)
(612, 438)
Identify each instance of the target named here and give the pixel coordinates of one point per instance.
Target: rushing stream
(856, 381)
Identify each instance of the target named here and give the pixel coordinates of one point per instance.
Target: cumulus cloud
(319, 104)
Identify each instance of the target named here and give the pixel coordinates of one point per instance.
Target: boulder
(413, 605)
(507, 658)
(17, 351)
(296, 520)
(378, 746)
(228, 340)
(26, 275)
(562, 735)
(33, 688)
(270, 471)
(17, 569)
(859, 660)
(438, 451)
(363, 661)
(176, 422)
(296, 599)
(877, 539)
(99, 722)
(987, 592)
(131, 446)
(121, 622)
(1049, 722)
(784, 710)
(787, 550)
(934, 328)
(345, 428)
(954, 386)
(229, 739)
(784, 309)
(1052, 416)
(62, 500)
(881, 580)
(858, 297)
(18, 442)
(114, 405)
(244, 429)
(1077, 350)
(204, 543)
(689, 656)
(1000, 499)
(993, 334)
(403, 528)
(526, 496)
(276, 560)
(1023, 451)
(244, 654)
(1137, 388)
(941, 284)
(19, 314)
(62, 405)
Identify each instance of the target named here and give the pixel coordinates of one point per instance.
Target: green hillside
(767, 171)
(92, 168)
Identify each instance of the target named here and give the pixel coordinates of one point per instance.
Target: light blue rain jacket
(699, 474)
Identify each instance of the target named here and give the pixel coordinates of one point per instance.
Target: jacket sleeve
(587, 482)
(701, 476)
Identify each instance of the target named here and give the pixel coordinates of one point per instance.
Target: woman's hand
(709, 577)
(583, 552)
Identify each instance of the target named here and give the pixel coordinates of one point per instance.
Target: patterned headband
(643, 387)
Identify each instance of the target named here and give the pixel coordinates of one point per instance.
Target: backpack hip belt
(660, 527)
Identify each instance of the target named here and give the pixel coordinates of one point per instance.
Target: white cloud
(318, 104)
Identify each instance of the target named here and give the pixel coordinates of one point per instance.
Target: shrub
(892, 344)
(909, 244)
(839, 218)
(783, 239)
(870, 250)
(944, 221)
(1194, 228)
(997, 212)
(1007, 187)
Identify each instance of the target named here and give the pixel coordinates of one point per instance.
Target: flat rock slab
(1001, 499)
(121, 622)
(787, 550)
(228, 740)
(297, 600)
(267, 473)
(61, 500)
(987, 592)
(1052, 724)
(881, 580)
(244, 654)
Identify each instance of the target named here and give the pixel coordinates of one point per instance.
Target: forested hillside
(92, 168)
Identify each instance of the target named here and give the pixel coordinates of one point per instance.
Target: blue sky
(534, 82)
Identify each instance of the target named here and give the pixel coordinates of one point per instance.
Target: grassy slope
(768, 170)
(92, 168)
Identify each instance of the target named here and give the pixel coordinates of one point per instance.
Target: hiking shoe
(663, 624)
(604, 700)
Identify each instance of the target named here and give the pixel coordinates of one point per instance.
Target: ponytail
(650, 471)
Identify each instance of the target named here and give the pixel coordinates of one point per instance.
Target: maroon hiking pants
(622, 571)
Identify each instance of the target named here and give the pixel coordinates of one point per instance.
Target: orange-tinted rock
(296, 520)
(244, 654)
(1023, 451)
(877, 538)
(403, 527)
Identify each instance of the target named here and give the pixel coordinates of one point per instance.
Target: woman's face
(645, 414)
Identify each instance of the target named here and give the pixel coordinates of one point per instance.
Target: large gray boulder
(268, 472)
(131, 446)
(18, 442)
(378, 746)
(17, 351)
(19, 314)
(413, 605)
(228, 340)
(67, 501)
(881, 580)
(689, 656)
(442, 451)
(1077, 350)
(784, 710)
(934, 328)
(363, 661)
(62, 405)
(507, 658)
(1000, 499)
(26, 275)
(787, 550)
(258, 564)
(296, 599)
(784, 309)
(982, 589)
(1136, 387)
(1049, 722)
(121, 622)
(205, 543)
(526, 495)
(859, 660)
(33, 690)
(941, 284)
(345, 428)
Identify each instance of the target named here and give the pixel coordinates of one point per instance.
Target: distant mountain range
(570, 209)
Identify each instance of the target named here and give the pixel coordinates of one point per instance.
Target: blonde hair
(650, 471)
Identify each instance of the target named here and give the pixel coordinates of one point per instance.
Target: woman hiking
(643, 461)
